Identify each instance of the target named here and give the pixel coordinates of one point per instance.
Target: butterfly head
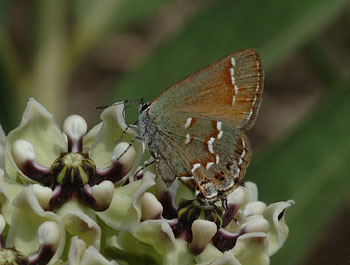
(143, 106)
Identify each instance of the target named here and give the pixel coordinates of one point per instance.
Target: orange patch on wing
(193, 121)
(233, 92)
(242, 154)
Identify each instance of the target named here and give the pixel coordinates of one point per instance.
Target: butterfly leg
(127, 148)
(133, 126)
(146, 164)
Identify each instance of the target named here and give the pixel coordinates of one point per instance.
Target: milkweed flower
(66, 178)
(244, 231)
(79, 197)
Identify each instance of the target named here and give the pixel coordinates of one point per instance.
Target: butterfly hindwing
(208, 155)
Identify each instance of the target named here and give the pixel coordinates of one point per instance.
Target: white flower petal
(151, 208)
(208, 256)
(126, 242)
(39, 128)
(2, 224)
(92, 257)
(75, 127)
(202, 233)
(128, 155)
(23, 234)
(103, 193)
(278, 231)
(78, 223)
(22, 151)
(254, 208)
(43, 194)
(101, 150)
(252, 191)
(125, 209)
(256, 223)
(76, 250)
(156, 233)
(227, 259)
(237, 197)
(179, 254)
(9, 190)
(49, 233)
(252, 249)
(90, 136)
(119, 109)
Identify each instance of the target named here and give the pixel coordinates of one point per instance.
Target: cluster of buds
(71, 196)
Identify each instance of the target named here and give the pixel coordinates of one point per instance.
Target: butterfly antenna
(126, 130)
(101, 107)
(138, 101)
(127, 148)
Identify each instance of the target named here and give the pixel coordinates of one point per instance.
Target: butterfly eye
(144, 106)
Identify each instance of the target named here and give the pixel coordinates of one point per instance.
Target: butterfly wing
(208, 155)
(229, 90)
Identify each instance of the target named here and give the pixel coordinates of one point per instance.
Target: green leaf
(312, 167)
(4, 11)
(96, 18)
(119, 13)
(274, 28)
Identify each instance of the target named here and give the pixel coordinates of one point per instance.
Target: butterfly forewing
(229, 89)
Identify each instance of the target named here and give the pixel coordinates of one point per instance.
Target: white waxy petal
(93, 257)
(254, 208)
(251, 191)
(75, 127)
(76, 250)
(151, 208)
(2, 224)
(278, 233)
(128, 157)
(256, 224)
(202, 231)
(22, 151)
(43, 194)
(236, 197)
(103, 192)
(49, 233)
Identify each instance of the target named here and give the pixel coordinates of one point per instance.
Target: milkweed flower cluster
(74, 196)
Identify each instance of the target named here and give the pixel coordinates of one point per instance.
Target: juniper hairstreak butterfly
(195, 129)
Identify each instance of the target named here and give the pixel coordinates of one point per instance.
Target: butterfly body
(195, 129)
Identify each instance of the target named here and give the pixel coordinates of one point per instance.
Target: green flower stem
(9, 60)
(90, 28)
(49, 77)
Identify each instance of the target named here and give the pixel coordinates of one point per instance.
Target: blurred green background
(73, 55)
